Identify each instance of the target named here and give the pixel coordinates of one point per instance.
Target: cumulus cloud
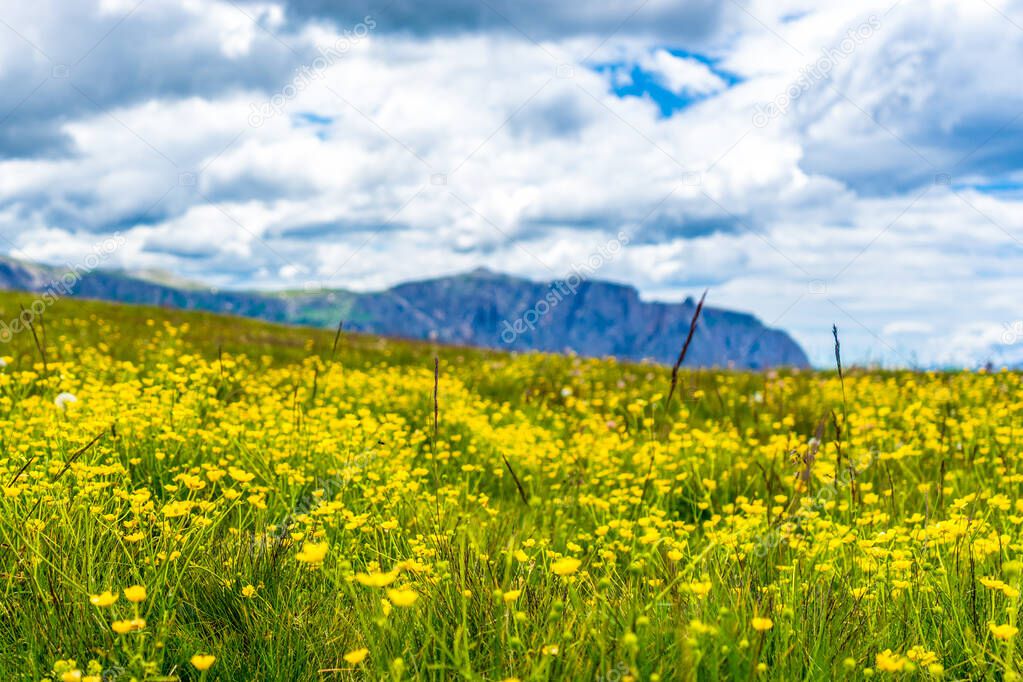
(65, 61)
(280, 145)
(682, 75)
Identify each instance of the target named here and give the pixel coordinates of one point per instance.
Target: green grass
(235, 443)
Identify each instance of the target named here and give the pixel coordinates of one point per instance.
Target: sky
(809, 162)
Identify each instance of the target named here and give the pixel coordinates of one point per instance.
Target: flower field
(196, 497)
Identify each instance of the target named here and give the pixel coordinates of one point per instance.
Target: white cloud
(915, 327)
(682, 75)
(431, 154)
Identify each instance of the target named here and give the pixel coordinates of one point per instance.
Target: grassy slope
(688, 523)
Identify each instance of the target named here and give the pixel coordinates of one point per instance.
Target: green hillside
(188, 496)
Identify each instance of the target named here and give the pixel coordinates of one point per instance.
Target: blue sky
(698, 78)
(810, 162)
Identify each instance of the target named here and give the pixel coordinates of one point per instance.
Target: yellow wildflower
(103, 599)
(565, 566)
(1005, 631)
(312, 553)
(135, 593)
(403, 597)
(203, 661)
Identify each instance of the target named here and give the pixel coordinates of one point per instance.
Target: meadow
(192, 497)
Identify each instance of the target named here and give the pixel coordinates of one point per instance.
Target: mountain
(479, 308)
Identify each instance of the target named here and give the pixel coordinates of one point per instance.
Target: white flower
(63, 399)
(3, 363)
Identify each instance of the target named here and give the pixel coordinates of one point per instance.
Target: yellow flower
(889, 662)
(700, 589)
(762, 624)
(566, 566)
(123, 627)
(312, 553)
(357, 656)
(135, 593)
(921, 656)
(248, 591)
(203, 661)
(403, 597)
(511, 595)
(376, 579)
(240, 475)
(103, 599)
(1005, 632)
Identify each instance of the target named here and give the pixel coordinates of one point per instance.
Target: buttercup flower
(566, 566)
(123, 627)
(1004, 631)
(312, 553)
(203, 661)
(404, 597)
(103, 599)
(376, 579)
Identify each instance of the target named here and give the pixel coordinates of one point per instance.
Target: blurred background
(809, 162)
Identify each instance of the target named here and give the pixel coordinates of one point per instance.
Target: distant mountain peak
(158, 276)
(480, 308)
(484, 273)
